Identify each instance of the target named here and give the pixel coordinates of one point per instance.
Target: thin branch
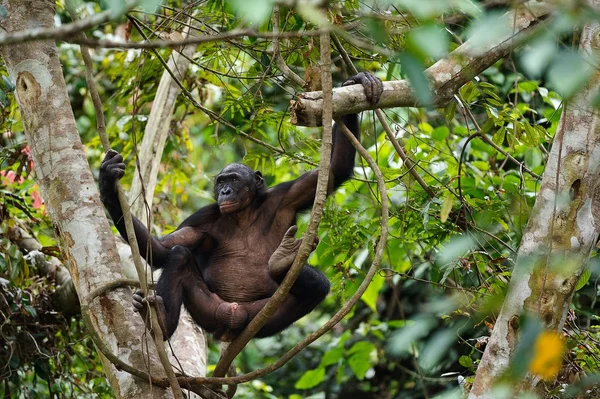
(68, 30)
(158, 44)
(283, 67)
(445, 76)
(315, 217)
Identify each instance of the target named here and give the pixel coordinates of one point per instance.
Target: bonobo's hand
(111, 170)
(371, 83)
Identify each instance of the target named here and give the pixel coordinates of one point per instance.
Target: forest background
(480, 239)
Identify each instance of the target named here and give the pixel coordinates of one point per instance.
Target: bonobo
(225, 261)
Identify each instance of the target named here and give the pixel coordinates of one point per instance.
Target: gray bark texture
(561, 233)
(71, 196)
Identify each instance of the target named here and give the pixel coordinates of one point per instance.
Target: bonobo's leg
(181, 282)
(310, 288)
(283, 257)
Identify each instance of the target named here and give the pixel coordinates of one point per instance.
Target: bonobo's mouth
(224, 206)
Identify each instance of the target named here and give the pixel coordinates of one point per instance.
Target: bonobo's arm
(111, 170)
(300, 193)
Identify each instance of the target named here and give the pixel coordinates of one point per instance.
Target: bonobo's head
(236, 186)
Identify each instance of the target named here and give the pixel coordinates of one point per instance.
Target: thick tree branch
(446, 76)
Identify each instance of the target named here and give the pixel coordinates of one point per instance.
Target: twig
(283, 67)
(315, 217)
(135, 251)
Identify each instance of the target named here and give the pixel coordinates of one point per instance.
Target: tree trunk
(561, 232)
(71, 196)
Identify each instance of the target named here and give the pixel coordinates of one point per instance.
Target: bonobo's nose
(226, 191)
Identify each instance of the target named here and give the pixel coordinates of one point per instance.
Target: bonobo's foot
(283, 257)
(371, 83)
(140, 305)
(231, 315)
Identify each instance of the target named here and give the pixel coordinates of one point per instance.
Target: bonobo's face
(236, 187)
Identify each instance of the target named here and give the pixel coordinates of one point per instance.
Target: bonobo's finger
(110, 153)
(107, 162)
(291, 232)
(378, 92)
(349, 82)
(370, 85)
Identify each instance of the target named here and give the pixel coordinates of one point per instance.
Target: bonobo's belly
(239, 276)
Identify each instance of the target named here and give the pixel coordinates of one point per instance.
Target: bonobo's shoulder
(279, 189)
(203, 216)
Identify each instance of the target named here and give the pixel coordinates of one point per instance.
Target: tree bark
(71, 196)
(446, 76)
(561, 232)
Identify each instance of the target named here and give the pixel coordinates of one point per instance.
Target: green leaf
(360, 358)
(372, 292)
(583, 279)
(311, 378)
(539, 55)
(333, 356)
(255, 12)
(446, 208)
(465, 361)
(498, 138)
(428, 41)
(562, 73)
(3, 12)
(414, 70)
(440, 133)
(450, 110)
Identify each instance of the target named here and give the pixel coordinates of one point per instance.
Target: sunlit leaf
(372, 293)
(414, 71)
(584, 278)
(311, 378)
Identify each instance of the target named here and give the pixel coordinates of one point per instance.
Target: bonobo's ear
(260, 182)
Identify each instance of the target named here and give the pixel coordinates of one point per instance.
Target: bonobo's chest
(236, 268)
